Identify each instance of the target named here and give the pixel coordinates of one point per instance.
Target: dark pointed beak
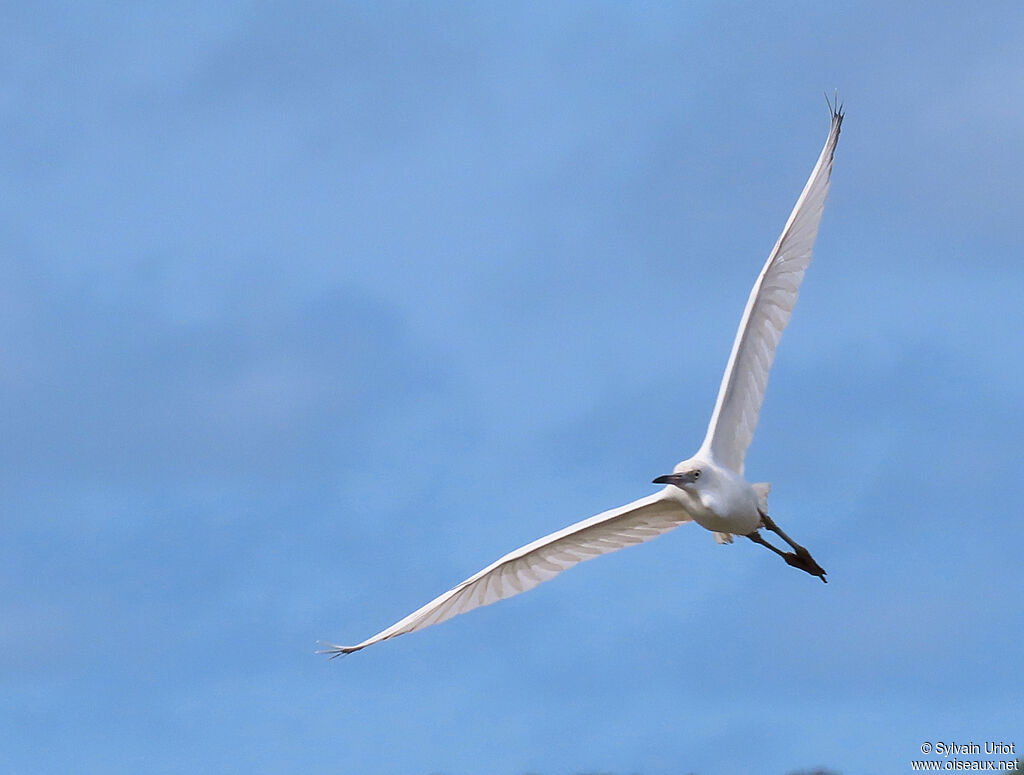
(677, 479)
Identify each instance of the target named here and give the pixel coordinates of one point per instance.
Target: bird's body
(721, 501)
(708, 488)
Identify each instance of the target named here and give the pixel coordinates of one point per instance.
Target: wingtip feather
(835, 107)
(333, 651)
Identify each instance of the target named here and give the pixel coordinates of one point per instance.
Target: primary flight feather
(707, 488)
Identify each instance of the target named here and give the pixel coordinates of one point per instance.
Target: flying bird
(708, 488)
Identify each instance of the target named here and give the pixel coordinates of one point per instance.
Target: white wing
(766, 315)
(541, 560)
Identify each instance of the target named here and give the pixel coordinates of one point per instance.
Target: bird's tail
(762, 489)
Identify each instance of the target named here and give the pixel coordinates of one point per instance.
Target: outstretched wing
(766, 315)
(541, 560)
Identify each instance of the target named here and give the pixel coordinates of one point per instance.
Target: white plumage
(541, 560)
(708, 488)
(768, 309)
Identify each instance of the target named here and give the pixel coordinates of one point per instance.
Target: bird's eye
(696, 474)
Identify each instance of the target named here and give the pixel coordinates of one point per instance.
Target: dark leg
(798, 558)
(769, 523)
(757, 539)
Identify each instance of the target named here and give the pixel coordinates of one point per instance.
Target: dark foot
(802, 559)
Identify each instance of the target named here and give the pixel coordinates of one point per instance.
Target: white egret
(709, 487)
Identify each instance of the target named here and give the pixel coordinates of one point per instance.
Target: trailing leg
(757, 539)
(798, 558)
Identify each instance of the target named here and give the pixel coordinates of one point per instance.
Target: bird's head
(688, 475)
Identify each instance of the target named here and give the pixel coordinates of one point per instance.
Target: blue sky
(309, 311)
